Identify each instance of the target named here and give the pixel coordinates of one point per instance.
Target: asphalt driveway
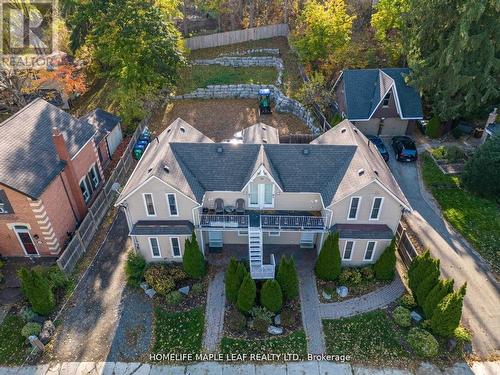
(458, 261)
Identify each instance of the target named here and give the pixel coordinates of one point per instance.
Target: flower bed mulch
(355, 291)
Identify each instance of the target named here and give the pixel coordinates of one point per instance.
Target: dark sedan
(404, 148)
(380, 146)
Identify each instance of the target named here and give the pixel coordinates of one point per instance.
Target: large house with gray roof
(378, 101)
(50, 173)
(258, 193)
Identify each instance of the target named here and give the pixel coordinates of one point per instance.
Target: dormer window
(387, 98)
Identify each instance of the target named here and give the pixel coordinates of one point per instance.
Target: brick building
(50, 174)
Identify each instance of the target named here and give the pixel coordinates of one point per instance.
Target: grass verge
(294, 343)
(369, 337)
(475, 218)
(12, 348)
(197, 76)
(180, 332)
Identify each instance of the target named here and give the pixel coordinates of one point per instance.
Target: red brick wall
(84, 160)
(103, 146)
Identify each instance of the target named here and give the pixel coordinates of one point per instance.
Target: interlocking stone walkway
(217, 368)
(309, 304)
(371, 301)
(214, 314)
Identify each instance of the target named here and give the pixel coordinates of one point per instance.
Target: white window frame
(388, 96)
(95, 173)
(357, 209)
(345, 248)
(146, 204)
(373, 251)
(87, 190)
(274, 233)
(151, 247)
(264, 204)
(379, 209)
(250, 187)
(27, 230)
(172, 247)
(176, 205)
(243, 233)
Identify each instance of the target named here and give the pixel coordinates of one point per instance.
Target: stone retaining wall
(244, 62)
(269, 51)
(249, 91)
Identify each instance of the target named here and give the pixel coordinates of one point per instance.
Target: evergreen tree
(328, 263)
(436, 295)
(241, 271)
(232, 281)
(481, 170)
(453, 53)
(418, 271)
(271, 296)
(281, 274)
(446, 316)
(385, 267)
(246, 295)
(428, 283)
(292, 284)
(38, 290)
(193, 260)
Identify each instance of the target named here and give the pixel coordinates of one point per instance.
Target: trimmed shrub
(134, 268)
(417, 271)
(193, 260)
(329, 262)
(177, 273)
(241, 271)
(38, 290)
(436, 295)
(236, 321)
(262, 318)
(173, 298)
(367, 273)
(446, 316)
(28, 314)
(429, 282)
(408, 301)
(385, 267)
(197, 289)
(31, 329)
(246, 295)
(423, 343)
(462, 334)
(56, 277)
(356, 277)
(345, 276)
(401, 316)
(271, 296)
(235, 273)
(287, 278)
(158, 278)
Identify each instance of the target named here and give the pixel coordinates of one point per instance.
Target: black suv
(404, 148)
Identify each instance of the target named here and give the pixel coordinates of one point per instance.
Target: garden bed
(13, 347)
(199, 76)
(357, 285)
(475, 218)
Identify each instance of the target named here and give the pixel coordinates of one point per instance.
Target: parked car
(404, 148)
(380, 146)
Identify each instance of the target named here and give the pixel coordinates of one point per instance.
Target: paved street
(458, 261)
(217, 368)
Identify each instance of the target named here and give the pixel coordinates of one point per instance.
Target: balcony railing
(265, 271)
(283, 222)
(223, 221)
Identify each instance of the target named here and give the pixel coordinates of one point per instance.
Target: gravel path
(214, 314)
(89, 323)
(309, 304)
(368, 302)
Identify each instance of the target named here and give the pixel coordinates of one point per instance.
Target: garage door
(394, 126)
(114, 139)
(368, 127)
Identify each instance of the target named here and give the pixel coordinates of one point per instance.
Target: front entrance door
(25, 239)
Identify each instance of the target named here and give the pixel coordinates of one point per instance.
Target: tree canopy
(454, 55)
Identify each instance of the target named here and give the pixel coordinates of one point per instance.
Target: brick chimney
(68, 176)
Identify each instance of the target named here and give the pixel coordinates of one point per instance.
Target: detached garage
(108, 133)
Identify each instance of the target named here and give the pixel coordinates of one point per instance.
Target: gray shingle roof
(162, 227)
(260, 133)
(103, 122)
(329, 165)
(28, 158)
(363, 231)
(364, 89)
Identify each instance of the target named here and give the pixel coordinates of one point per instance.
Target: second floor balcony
(270, 220)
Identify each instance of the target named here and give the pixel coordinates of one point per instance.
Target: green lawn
(294, 343)
(369, 337)
(12, 348)
(197, 76)
(180, 332)
(475, 218)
